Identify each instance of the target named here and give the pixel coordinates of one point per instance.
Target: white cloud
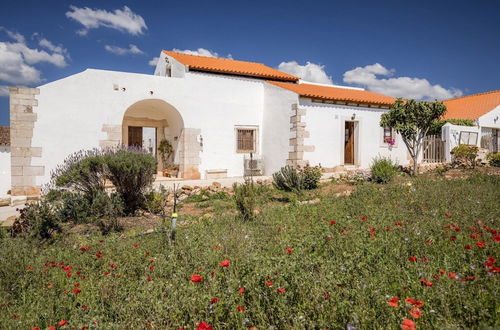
(407, 87)
(4, 91)
(50, 46)
(123, 20)
(310, 71)
(153, 61)
(17, 60)
(198, 52)
(132, 49)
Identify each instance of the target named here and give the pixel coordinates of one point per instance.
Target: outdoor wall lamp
(353, 116)
(201, 140)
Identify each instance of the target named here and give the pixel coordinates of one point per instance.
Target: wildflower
(149, 279)
(280, 228)
(480, 244)
(98, 255)
(225, 263)
(329, 238)
(415, 312)
(414, 302)
(242, 290)
(67, 269)
(203, 326)
(363, 218)
(425, 260)
(35, 328)
(468, 247)
(85, 307)
(281, 290)
(30, 268)
(112, 266)
(393, 302)
(240, 308)
(453, 238)
(76, 291)
(196, 278)
(62, 323)
(289, 250)
(435, 276)
(151, 267)
(399, 224)
(408, 325)
(69, 274)
(269, 283)
(213, 301)
(424, 282)
(107, 273)
(496, 238)
(136, 246)
(413, 259)
(447, 214)
(452, 275)
(332, 222)
(51, 327)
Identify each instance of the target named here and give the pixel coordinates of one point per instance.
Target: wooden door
(135, 136)
(349, 143)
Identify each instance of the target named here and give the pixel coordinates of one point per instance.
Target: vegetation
(165, 149)
(494, 159)
(465, 155)
(383, 170)
(245, 199)
(413, 120)
(420, 251)
(436, 125)
(289, 178)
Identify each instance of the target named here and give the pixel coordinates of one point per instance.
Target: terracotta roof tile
(471, 106)
(336, 93)
(223, 65)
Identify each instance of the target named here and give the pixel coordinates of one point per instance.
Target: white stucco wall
(4, 170)
(326, 123)
(450, 134)
(72, 111)
(488, 120)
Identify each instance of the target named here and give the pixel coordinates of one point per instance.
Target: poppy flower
(35, 328)
(424, 282)
(69, 274)
(332, 222)
(149, 279)
(393, 302)
(225, 263)
(399, 224)
(112, 266)
(496, 238)
(240, 308)
(425, 260)
(62, 323)
(453, 238)
(107, 273)
(214, 301)
(442, 271)
(281, 290)
(242, 290)
(468, 247)
(76, 291)
(67, 268)
(196, 278)
(363, 218)
(203, 326)
(435, 276)
(408, 325)
(414, 302)
(269, 283)
(413, 259)
(151, 267)
(447, 214)
(289, 250)
(98, 255)
(51, 327)
(491, 260)
(85, 307)
(329, 238)
(480, 244)
(452, 275)
(280, 228)
(415, 312)
(136, 246)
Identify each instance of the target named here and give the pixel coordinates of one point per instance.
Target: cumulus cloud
(407, 87)
(198, 52)
(153, 61)
(124, 20)
(132, 49)
(310, 71)
(17, 60)
(50, 46)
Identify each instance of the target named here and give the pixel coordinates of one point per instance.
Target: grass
(334, 275)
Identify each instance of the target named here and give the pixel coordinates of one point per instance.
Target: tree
(413, 120)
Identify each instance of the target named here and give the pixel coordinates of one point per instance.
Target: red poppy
(329, 238)
(281, 290)
(363, 218)
(106, 273)
(393, 302)
(51, 327)
(62, 323)
(415, 312)
(225, 263)
(203, 326)
(453, 238)
(447, 214)
(69, 274)
(289, 250)
(332, 222)
(151, 261)
(214, 301)
(149, 279)
(136, 246)
(280, 228)
(473, 236)
(413, 259)
(151, 267)
(468, 247)
(494, 269)
(425, 260)
(76, 285)
(35, 328)
(480, 244)
(76, 291)
(424, 282)
(196, 278)
(240, 308)
(452, 275)
(496, 238)
(112, 266)
(30, 268)
(414, 302)
(456, 229)
(399, 224)
(242, 290)
(435, 276)
(408, 325)
(98, 255)
(147, 253)
(85, 307)
(269, 283)
(491, 260)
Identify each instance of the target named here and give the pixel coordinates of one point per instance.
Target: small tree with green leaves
(413, 119)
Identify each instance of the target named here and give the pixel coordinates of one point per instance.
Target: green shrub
(245, 199)
(132, 172)
(436, 125)
(156, 201)
(383, 170)
(494, 159)
(287, 179)
(37, 220)
(74, 207)
(465, 155)
(310, 176)
(83, 171)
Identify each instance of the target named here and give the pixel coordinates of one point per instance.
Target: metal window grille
(246, 140)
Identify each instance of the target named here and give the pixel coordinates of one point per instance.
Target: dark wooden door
(135, 136)
(349, 143)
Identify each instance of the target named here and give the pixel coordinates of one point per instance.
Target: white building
(215, 112)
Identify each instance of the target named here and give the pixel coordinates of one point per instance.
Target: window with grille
(468, 138)
(245, 139)
(388, 136)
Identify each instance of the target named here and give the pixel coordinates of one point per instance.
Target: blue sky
(421, 49)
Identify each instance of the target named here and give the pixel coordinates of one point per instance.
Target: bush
(132, 172)
(74, 207)
(494, 159)
(37, 220)
(156, 201)
(310, 176)
(245, 199)
(83, 171)
(465, 155)
(291, 179)
(383, 170)
(437, 125)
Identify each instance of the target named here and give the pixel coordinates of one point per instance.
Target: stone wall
(189, 155)
(297, 135)
(23, 119)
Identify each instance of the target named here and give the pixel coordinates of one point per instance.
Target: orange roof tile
(471, 106)
(224, 65)
(336, 93)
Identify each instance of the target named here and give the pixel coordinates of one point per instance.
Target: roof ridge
(476, 94)
(219, 58)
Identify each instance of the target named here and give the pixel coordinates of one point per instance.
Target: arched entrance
(149, 122)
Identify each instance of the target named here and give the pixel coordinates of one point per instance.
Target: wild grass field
(415, 253)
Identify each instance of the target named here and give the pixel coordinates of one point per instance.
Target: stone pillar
(22, 122)
(297, 135)
(189, 154)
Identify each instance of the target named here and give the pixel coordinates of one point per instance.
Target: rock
(186, 187)
(5, 201)
(216, 185)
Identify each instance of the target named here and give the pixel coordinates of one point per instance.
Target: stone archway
(169, 125)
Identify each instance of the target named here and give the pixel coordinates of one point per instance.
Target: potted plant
(166, 150)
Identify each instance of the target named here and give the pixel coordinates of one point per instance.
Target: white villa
(215, 112)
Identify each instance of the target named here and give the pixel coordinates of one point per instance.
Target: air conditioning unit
(253, 165)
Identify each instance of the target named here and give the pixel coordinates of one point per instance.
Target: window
(468, 138)
(388, 136)
(246, 140)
